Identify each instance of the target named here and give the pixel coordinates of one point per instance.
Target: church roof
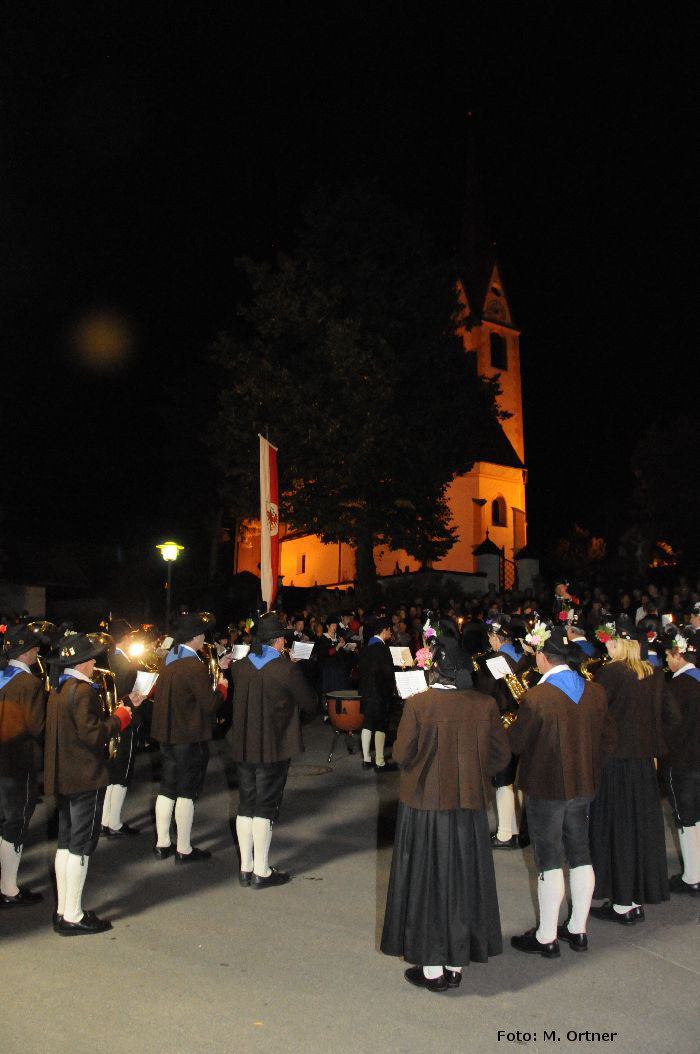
(495, 447)
(487, 547)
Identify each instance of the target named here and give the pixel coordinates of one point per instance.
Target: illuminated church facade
(491, 497)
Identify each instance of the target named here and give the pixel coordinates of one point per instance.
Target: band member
(269, 690)
(578, 637)
(22, 720)
(184, 709)
(628, 842)
(377, 692)
(75, 770)
(122, 767)
(561, 732)
(684, 770)
(442, 904)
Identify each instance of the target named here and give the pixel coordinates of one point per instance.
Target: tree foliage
(346, 352)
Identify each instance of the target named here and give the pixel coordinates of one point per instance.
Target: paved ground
(195, 963)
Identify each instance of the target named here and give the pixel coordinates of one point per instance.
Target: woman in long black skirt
(442, 905)
(628, 843)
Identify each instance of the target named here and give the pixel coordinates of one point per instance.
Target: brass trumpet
(476, 656)
(597, 660)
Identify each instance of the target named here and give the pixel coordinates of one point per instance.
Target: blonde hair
(627, 652)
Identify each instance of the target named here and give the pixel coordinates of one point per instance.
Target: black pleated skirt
(442, 904)
(628, 841)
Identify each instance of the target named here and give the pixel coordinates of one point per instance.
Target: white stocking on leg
(550, 893)
(244, 831)
(366, 740)
(505, 810)
(107, 805)
(117, 801)
(379, 741)
(164, 816)
(690, 850)
(76, 873)
(60, 864)
(582, 883)
(262, 836)
(9, 865)
(184, 817)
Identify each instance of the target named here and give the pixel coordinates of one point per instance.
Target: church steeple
(477, 251)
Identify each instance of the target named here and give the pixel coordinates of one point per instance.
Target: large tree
(346, 351)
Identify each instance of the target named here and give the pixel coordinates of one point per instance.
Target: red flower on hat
(563, 616)
(3, 628)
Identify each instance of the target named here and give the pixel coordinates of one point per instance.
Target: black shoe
(496, 842)
(275, 878)
(193, 856)
(528, 943)
(162, 852)
(367, 766)
(454, 977)
(607, 911)
(523, 840)
(638, 912)
(578, 942)
(388, 766)
(244, 878)
(57, 919)
(23, 899)
(677, 885)
(123, 832)
(104, 830)
(414, 975)
(88, 924)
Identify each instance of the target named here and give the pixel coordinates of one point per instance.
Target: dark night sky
(145, 146)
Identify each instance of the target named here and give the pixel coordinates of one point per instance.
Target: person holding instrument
(122, 766)
(76, 771)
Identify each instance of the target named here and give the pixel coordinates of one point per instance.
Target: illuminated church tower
(491, 497)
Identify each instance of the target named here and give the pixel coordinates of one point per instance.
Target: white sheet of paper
(165, 645)
(144, 682)
(302, 649)
(401, 656)
(239, 651)
(410, 682)
(350, 647)
(498, 666)
(666, 620)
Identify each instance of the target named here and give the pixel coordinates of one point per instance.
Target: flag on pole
(269, 523)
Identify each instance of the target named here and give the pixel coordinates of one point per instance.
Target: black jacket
(266, 704)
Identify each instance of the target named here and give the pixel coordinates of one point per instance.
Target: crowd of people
(576, 709)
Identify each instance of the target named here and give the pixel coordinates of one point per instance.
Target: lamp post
(170, 552)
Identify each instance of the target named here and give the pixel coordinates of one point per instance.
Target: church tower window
(498, 512)
(499, 351)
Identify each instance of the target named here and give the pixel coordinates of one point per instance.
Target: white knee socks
(262, 836)
(116, 800)
(582, 884)
(164, 816)
(550, 893)
(690, 851)
(505, 810)
(431, 972)
(366, 740)
(107, 805)
(379, 741)
(9, 865)
(76, 873)
(60, 864)
(184, 815)
(244, 830)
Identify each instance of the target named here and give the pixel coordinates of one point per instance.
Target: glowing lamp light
(136, 649)
(170, 550)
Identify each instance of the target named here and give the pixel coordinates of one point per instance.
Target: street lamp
(170, 552)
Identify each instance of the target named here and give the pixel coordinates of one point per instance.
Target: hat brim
(75, 660)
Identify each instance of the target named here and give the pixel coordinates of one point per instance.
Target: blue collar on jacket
(585, 646)
(693, 672)
(268, 655)
(181, 652)
(568, 682)
(509, 649)
(374, 640)
(7, 674)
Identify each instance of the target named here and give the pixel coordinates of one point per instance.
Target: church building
(488, 503)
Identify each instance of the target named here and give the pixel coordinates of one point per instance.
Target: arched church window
(499, 351)
(498, 512)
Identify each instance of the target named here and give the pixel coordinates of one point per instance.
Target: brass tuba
(210, 654)
(42, 629)
(106, 682)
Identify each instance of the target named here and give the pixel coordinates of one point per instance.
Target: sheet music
(302, 649)
(144, 682)
(239, 651)
(410, 682)
(498, 667)
(401, 656)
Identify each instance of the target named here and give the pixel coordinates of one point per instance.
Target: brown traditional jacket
(645, 712)
(22, 721)
(684, 739)
(449, 744)
(561, 743)
(266, 704)
(184, 703)
(77, 734)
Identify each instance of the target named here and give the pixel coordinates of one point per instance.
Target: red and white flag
(269, 523)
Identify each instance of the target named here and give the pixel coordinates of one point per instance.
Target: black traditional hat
(119, 628)
(269, 627)
(21, 638)
(557, 643)
(683, 639)
(625, 628)
(189, 626)
(76, 648)
(451, 663)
